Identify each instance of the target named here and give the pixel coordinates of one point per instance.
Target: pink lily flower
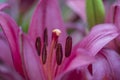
(39, 54)
(34, 55)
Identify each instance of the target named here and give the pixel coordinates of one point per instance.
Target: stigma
(55, 34)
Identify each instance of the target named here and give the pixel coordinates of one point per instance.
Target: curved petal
(113, 59)
(11, 32)
(101, 69)
(99, 36)
(47, 15)
(106, 65)
(31, 61)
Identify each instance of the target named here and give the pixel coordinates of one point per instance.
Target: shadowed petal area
(6, 73)
(99, 36)
(31, 61)
(75, 62)
(47, 15)
(107, 65)
(77, 74)
(11, 32)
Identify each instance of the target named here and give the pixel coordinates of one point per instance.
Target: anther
(44, 54)
(59, 53)
(38, 45)
(68, 46)
(55, 34)
(45, 36)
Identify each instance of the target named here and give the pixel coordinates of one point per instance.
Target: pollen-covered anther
(55, 34)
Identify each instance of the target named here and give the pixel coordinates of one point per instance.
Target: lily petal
(101, 69)
(79, 58)
(11, 32)
(32, 67)
(107, 65)
(113, 59)
(47, 15)
(99, 36)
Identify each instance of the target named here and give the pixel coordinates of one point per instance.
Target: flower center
(51, 56)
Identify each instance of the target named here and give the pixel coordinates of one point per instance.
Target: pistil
(55, 35)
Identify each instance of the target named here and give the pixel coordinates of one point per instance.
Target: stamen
(38, 45)
(68, 46)
(45, 37)
(44, 54)
(59, 54)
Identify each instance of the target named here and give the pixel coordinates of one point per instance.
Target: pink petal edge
(99, 36)
(11, 32)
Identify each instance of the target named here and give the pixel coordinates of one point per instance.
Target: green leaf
(95, 12)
